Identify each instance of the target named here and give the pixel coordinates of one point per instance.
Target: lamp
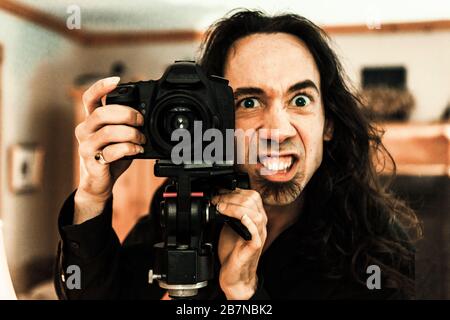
(6, 287)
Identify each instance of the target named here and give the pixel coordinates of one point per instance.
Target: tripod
(184, 261)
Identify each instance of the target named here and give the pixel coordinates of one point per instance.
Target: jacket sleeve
(88, 258)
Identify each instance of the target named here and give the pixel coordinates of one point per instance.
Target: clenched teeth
(277, 164)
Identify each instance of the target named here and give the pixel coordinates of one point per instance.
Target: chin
(275, 193)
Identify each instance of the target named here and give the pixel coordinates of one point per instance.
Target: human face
(276, 84)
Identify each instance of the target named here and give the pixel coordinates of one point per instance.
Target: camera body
(181, 99)
(183, 94)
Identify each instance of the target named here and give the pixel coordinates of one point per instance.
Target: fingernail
(219, 207)
(112, 80)
(143, 139)
(141, 149)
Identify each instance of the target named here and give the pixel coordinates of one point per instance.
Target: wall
(38, 67)
(142, 61)
(38, 71)
(424, 54)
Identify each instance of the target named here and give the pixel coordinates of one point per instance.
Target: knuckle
(79, 131)
(223, 206)
(256, 244)
(85, 149)
(97, 114)
(255, 195)
(107, 131)
(108, 152)
(81, 151)
(248, 203)
(86, 97)
(259, 219)
(249, 193)
(264, 235)
(239, 211)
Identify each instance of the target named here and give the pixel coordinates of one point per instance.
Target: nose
(278, 124)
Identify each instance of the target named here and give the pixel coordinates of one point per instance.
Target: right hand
(112, 130)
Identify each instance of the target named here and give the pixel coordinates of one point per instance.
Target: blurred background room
(396, 53)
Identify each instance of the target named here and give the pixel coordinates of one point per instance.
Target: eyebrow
(303, 85)
(258, 91)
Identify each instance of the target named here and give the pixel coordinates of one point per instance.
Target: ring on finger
(100, 158)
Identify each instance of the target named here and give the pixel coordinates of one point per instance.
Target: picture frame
(25, 167)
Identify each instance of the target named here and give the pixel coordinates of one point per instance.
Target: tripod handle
(237, 226)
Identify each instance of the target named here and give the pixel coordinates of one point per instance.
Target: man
(318, 221)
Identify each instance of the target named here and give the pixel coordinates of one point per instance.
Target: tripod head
(184, 261)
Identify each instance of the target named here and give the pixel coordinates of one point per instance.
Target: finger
(237, 211)
(237, 199)
(234, 210)
(249, 248)
(117, 133)
(113, 114)
(108, 135)
(253, 195)
(92, 96)
(246, 197)
(117, 151)
(245, 201)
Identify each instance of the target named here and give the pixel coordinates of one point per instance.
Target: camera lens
(181, 122)
(176, 111)
(179, 119)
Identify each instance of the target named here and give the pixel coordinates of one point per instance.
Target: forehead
(270, 61)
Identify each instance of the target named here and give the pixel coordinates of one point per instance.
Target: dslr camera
(182, 96)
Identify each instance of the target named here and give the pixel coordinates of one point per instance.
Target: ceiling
(133, 15)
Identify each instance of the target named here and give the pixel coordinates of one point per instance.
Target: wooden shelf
(418, 148)
(108, 38)
(414, 26)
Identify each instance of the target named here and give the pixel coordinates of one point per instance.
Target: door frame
(1, 127)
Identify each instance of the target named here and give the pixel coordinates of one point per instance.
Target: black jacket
(110, 270)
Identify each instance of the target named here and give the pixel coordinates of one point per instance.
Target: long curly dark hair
(356, 221)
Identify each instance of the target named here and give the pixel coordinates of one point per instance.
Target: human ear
(328, 130)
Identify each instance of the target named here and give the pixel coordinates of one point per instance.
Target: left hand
(239, 258)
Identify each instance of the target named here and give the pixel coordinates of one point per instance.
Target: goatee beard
(281, 193)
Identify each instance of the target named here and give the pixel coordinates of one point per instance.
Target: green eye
(301, 100)
(249, 103)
